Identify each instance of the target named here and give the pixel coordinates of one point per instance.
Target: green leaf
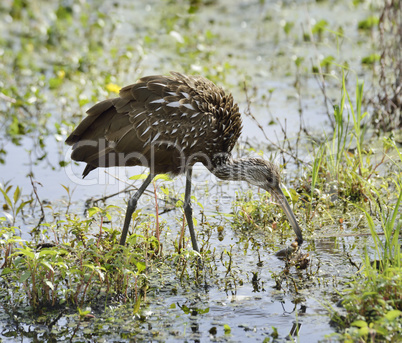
(165, 190)
(22, 205)
(206, 310)
(137, 305)
(66, 188)
(200, 204)
(227, 329)
(371, 59)
(368, 23)
(359, 323)
(25, 276)
(55, 82)
(127, 271)
(6, 271)
(89, 266)
(83, 313)
(108, 207)
(364, 331)
(185, 309)
(396, 210)
(393, 314)
(93, 210)
(320, 26)
(382, 331)
(6, 198)
(83, 102)
(140, 266)
(327, 61)
(27, 252)
(47, 265)
(17, 194)
(47, 252)
(139, 177)
(51, 286)
(274, 333)
(164, 177)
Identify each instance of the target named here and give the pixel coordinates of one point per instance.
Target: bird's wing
(161, 109)
(168, 117)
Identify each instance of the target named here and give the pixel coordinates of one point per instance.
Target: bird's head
(263, 174)
(267, 175)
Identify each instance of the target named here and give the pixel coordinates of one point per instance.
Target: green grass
(59, 64)
(78, 269)
(373, 303)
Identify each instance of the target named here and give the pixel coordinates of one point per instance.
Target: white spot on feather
(138, 114)
(156, 137)
(158, 101)
(146, 130)
(147, 142)
(185, 95)
(141, 123)
(173, 104)
(189, 106)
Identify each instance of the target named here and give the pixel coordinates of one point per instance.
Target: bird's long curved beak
(280, 197)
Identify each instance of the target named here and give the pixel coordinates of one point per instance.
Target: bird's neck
(226, 168)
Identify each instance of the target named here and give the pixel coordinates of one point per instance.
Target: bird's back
(162, 122)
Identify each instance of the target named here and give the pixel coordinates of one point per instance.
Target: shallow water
(258, 50)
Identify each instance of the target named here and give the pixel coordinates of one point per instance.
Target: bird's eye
(269, 179)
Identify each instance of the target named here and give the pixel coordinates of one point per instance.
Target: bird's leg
(131, 205)
(188, 211)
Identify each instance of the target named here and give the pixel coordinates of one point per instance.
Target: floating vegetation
(293, 72)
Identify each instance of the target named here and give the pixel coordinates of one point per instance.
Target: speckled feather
(177, 119)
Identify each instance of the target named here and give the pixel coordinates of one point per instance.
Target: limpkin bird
(168, 123)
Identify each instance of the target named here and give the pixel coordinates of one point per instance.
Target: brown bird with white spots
(168, 123)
